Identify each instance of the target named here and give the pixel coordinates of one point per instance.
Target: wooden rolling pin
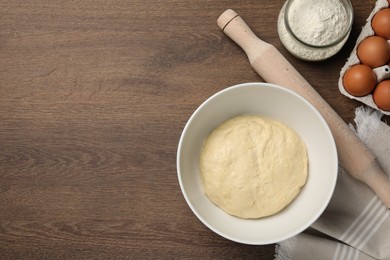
(274, 68)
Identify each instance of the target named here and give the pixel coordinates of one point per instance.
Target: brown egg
(374, 51)
(359, 80)
(381, 95)
(381, 23)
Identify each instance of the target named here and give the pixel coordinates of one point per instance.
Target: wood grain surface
(93, 98)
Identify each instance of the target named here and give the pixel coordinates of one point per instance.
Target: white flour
(319, 22)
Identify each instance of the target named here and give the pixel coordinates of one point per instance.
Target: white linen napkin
(356, 224)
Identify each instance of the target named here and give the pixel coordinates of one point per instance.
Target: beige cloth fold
(356, 224)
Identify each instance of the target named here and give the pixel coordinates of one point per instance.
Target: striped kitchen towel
(356, 224)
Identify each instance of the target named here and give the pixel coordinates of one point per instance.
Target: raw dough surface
(252, 166)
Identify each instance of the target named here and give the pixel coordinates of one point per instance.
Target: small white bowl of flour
(315, 30)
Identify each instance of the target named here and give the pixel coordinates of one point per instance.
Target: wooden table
(93, 98)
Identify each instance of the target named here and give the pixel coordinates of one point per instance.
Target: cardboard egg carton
(381, 72)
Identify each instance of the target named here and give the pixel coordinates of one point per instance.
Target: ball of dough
(252, 166)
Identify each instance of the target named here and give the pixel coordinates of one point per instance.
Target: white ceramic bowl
(280, 104)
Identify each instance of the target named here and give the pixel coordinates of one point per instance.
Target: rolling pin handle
(225, 18)
(237, 30)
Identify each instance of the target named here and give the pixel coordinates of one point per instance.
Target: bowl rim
(221, 233)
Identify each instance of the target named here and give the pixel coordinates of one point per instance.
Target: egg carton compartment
(382, 72)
